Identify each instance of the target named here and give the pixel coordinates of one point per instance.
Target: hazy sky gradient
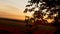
(12, 7)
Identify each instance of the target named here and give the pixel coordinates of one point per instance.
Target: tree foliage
(48, 8)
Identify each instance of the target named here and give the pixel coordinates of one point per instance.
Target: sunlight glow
(45, 16)
(15, 7)
(39, 4)
(36, 9)
(48, 12)
(29, 14)
(29, 7)
(50, 20)
(44, 11)
(33, 5)
(55, 14)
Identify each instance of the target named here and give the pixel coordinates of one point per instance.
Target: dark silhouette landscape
(12, 26)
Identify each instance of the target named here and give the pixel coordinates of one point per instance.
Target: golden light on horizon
(9, 11)
(29, 14)
(15, 10)
(12, 9)
(10, 16)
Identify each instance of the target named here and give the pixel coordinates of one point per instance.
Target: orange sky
(14, 9)
(9, 11)
(6, 15)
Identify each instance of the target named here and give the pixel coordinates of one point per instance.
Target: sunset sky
(12, 9)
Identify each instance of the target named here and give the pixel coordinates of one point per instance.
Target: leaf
(25, 11)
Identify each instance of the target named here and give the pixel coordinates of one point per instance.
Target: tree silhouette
(41, 8)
